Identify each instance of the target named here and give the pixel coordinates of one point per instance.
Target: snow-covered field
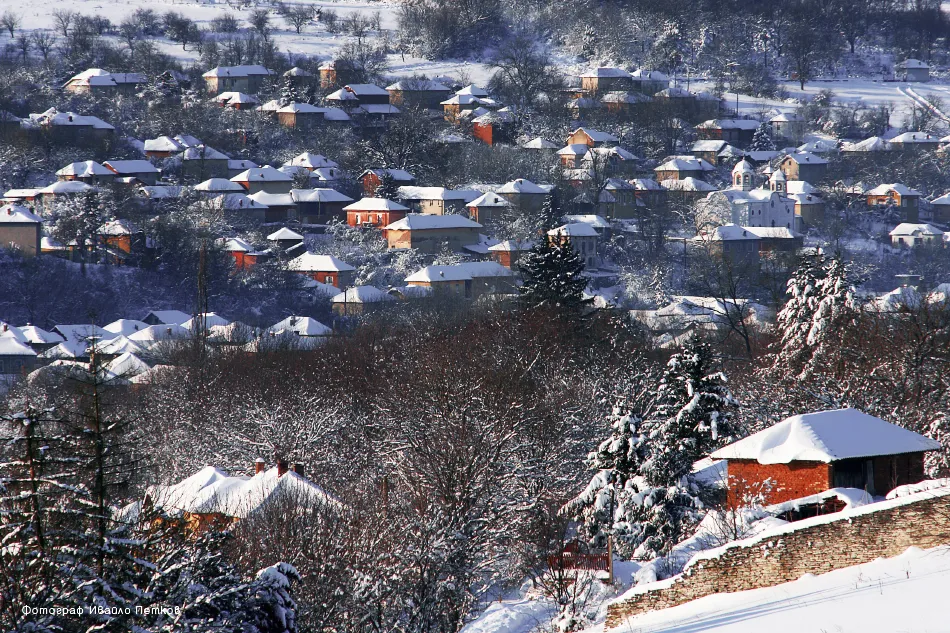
(906, 593)
(313, 41)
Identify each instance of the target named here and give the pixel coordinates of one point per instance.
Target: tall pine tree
(552, 274)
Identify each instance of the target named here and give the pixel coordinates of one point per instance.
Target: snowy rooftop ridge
(827, 436)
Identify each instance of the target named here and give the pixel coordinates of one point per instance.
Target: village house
(808, 454)
(437, 200)
(212, 499)
(141, 171)
(592, 138)
(492, 128)
(571, 155)
(327, 74)
(606, 79)
(649, 193)
(236, 166)
(121, 237)
(247, 78)
(708, 150)
(203, 162)
(649, 82)
(39, 339)
(300, 326)
(688, 190)
(523, 194)
(359, 300)
(20, 230)
(69, 127)
(432, 233)
(102, 83)
(300, 115)
(371, 179)
(487, 207)
(61, 190)
(423, 93)
(299, 77)
(776, 239)
(325, 269)
(239, 209)
(88, 171)
(16, 357)
(508, 252)
(281, 207)
(940, 209)
(738, 132)
(266, 179)
(788, 125)
(244, 254)
(374, 212)
(804, 166)
(624, 105)
(162, 147)
(469, 280)
(320, 206)
(352, 96)
(582, 237)
(911, 235)
(915, 142)
(237, 100)
(311, 161)
(680, 167)
(214, 186)
(898, 195)
(748, 206)
(913, 70)
(730, 243)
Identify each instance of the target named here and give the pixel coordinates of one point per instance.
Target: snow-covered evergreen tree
(820, 304)
(693, 415)
(552, 274)
(762, 140)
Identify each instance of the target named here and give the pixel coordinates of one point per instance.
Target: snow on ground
(906, 593)
(313, 41)
(513, 616)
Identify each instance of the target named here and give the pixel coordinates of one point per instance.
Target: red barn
(808, 454)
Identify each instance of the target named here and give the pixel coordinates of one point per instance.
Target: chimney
(259, 465)
(281, 467)
(298, 468)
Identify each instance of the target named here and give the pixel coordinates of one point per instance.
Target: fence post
(610, 560)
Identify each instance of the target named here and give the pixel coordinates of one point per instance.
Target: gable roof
(827, 436)
(883, 190)
(262, 174)
(14, 213)
(910, 229)
(311, 262)
(522, 186)
(422, 222)
(307, 159)
(375, 204)
(39, 336)
(301, 326)
(362, 294)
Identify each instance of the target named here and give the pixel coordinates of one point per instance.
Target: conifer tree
(387, 187)
(762, 140)
(552, 273)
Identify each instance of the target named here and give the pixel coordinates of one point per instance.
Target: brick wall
(788, 481)
(817, 547)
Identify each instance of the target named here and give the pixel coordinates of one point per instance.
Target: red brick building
(808, 454)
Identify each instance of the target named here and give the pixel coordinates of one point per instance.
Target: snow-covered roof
(175, 317)
(67, 187)
(273, 199)
(14, 213)
(574, 229)
(126, 365)
(362, 294)
(213, 491)
(205, 320)
(131, 167)
(120, 345)
(686, 184)
(375, 204)
(218, 185)
(312, 161)
(39, 336)
(422, 222)
(117, 227)
(399, 175)
(262, 174)
(410, 85)
(538, 143)
(806, 158)
(85, 169)
(231, 97)
(772, 232)
(591, 219)
(163, 144)
(366, 89)
(489, 199)
(163, 332)
(910, 138)
(459, 272)
(685, 163)
(311, 262)
(246, 70)
(202, 152)
(908, 229)
(606, 71)
(10, 346)
(410, 192)
(898, 188)
(83, 332)
(574, 149)
(728, 232)
(300, 108)
(319, 195)
(873, 144)
(511, 246)
(473, 90)
(237, 202)
(786, 117)
(522, 186)
(596, 135)
(728, 124)
(125, 326)
(827, 436)
(912, 63)
(301, 326)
